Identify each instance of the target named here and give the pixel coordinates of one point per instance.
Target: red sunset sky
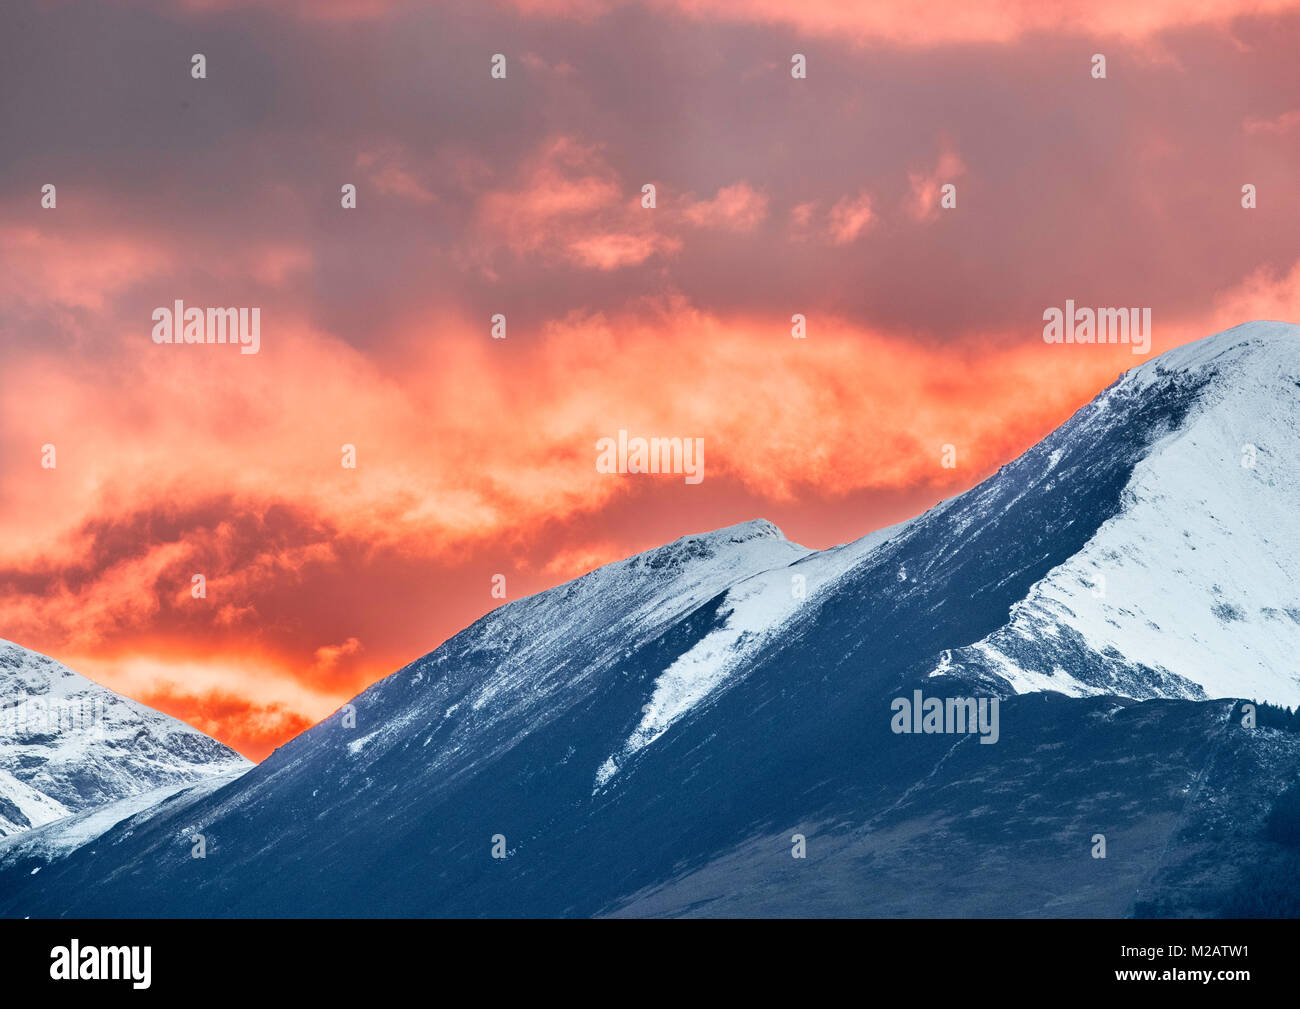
(521, 196)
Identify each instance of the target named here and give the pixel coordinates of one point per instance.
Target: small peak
(741, 532)
(697, 546)
(754, 529)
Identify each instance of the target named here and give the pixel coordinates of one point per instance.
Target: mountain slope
(31, 850)
(1180, 791)
(1194, 582)
(68, 745)
(642, 736)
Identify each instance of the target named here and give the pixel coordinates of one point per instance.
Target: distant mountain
(68, 745)
(32, 849)
(649, 738)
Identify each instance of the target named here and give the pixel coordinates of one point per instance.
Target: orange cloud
(390, 175)
(939, 22)
(923, 204)
(739, 207)
(902, 22)
(849, 218)
(40, 267)
(244, 725)
(1265, 294)
(568, 203)
(327, 656)
(249, 702)
(322, 10)
(440, 459)
(569, 564)
(1284, 123)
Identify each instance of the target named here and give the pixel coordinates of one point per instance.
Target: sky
(522, 195)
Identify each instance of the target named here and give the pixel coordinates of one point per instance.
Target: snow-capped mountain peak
(67, 744)
(1191, 589)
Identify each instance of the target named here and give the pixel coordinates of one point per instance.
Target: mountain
(68, 745)
(33, 849)
(649, 738)
(1190, 588)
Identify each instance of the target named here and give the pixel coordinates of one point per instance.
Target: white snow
(757, 608)
(67, 744)
(1200, 572)
(58, 838)
(36, 806)
(357, 745)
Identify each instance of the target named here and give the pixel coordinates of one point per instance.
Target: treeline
(1270, 716)
(1271, 888)
(1268, 892)
(1283, 825)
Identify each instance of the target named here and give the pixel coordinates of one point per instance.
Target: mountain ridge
(733, 709)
